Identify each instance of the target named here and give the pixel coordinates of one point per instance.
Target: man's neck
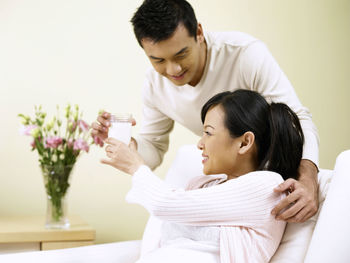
(202, 63)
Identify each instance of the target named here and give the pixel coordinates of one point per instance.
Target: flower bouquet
(58, 147)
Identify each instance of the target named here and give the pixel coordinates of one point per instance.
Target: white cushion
(297, 236)
(187, 164)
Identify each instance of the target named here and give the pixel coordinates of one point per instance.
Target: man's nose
(173, 69)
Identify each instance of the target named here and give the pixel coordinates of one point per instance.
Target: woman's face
(220, 150)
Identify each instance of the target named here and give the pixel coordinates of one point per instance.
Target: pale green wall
(84, 52)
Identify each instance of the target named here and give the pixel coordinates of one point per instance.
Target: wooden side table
(28, 233)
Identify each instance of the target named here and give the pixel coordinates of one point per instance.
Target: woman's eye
(207, 133)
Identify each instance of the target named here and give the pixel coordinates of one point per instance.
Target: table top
(32, 229)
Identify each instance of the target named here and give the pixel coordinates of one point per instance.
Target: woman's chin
(206, 171)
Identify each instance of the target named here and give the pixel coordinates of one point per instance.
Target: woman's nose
(200, 145)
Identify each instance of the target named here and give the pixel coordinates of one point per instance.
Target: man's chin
(177, 82)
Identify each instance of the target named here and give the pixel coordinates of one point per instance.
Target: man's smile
(179, 77)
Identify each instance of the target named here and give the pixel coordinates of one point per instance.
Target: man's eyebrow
(177, 53)
(152, 57)
(181, 51)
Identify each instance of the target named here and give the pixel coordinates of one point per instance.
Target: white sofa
(329, 241)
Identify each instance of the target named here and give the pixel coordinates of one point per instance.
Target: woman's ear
(247, 142)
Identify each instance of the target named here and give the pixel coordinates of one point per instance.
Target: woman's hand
(124, 158)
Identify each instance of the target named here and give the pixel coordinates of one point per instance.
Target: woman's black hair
(277, 130)
(158, 19)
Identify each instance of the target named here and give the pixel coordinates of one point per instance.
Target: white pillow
(187, 164)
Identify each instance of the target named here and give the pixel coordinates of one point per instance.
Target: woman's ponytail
(286, 141)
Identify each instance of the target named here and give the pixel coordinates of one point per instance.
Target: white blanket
(119, 252)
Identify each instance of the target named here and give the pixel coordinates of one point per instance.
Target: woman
(224, 216)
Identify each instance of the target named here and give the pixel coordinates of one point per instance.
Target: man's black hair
(157, 20)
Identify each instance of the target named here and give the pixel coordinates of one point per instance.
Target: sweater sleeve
(245, 201)
(262, 73)
(153, 139)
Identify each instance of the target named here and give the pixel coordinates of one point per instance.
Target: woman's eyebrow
(208, 126)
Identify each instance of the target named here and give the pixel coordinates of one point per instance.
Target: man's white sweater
(234, 61)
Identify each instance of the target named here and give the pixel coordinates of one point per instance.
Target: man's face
(179, 58)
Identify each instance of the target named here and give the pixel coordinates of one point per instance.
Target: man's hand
(101, 126)
(302, 200)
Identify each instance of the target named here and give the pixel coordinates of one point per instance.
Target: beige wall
(84, 52)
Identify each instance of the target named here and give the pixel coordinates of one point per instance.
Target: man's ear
(247, 142)
(200, 34)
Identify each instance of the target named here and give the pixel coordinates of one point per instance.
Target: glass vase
(56, 213)
(56, 179)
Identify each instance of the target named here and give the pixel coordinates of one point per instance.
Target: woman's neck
(244, 167)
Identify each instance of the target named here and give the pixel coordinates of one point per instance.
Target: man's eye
(159, 61)
(181, 56)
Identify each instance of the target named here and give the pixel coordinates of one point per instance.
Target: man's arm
(153, 139)
(261, 73)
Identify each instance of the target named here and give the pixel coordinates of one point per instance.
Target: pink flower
(33, 144)
(70, 143)
(25, 130)
(98, 141)
(83, 126)
(80, 144)
(53, 142)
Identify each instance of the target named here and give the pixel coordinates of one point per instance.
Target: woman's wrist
(136, 166)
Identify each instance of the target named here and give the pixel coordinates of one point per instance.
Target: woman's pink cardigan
(241, 207)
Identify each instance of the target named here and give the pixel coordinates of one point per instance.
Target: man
(189, 67)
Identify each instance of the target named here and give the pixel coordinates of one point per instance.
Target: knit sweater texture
(239, 207)
(234, 61)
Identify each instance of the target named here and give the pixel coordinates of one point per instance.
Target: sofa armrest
(330, 241)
